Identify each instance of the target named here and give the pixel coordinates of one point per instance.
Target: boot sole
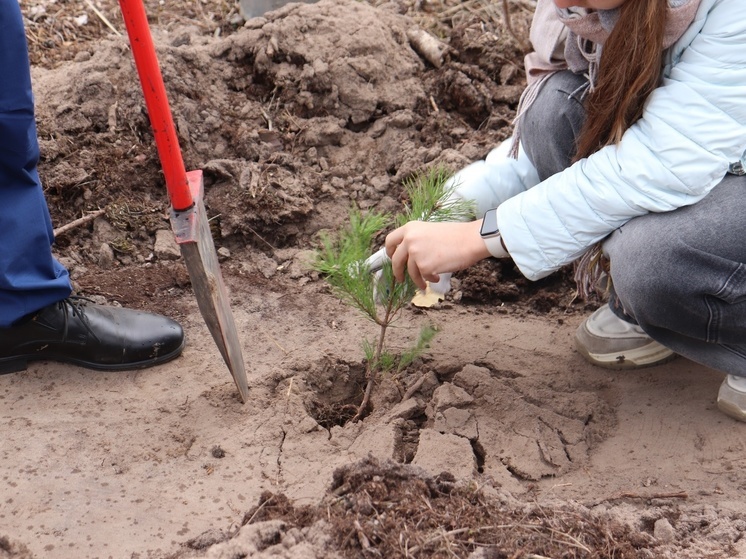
(20, 363)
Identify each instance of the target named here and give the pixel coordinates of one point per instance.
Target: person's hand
(427, 249)
(375, 262)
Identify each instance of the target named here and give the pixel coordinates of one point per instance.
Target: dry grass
(390, 510)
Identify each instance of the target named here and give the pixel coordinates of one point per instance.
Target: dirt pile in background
(293, 119)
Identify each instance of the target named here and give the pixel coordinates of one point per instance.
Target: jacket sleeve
(692, 128)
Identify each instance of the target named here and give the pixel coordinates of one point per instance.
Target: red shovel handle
(156, 101)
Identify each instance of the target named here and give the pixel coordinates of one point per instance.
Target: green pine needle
(427, 333)
(431, 200)
(342, 261)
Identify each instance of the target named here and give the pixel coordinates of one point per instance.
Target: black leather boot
(76, 330)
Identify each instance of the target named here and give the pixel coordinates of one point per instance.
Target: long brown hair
(629, 70)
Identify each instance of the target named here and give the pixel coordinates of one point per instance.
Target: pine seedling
(378, 296)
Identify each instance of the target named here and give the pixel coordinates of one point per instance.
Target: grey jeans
(679, 275)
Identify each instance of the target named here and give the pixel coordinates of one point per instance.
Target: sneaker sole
(646, 356)
(732, 410)
(20, 363)
(726, 395)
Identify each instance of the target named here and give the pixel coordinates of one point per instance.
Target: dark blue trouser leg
(30, 277)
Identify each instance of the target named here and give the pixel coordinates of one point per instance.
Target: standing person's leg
(38, 318)
(30, 278)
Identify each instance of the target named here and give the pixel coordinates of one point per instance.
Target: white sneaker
(732, 397)
(606, 340)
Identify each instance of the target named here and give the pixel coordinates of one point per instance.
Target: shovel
(186, 192)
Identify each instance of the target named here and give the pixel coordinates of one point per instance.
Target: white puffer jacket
(692, 132)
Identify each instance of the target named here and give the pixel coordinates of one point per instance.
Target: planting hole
(336, 391)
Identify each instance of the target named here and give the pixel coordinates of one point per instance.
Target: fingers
(393, 240)
(399, 259)
(419, 277)
(414, 273)
(398, 249)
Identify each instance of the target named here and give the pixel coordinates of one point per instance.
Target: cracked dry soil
(511, 446)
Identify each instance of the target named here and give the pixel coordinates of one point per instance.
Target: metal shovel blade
(192, 231)
(185, 191)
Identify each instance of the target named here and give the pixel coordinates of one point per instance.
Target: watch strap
(495, 246)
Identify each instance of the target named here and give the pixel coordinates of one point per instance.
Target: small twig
(290, 387)
(361, 537)
(102, 17)
(285, 351)
(295, 122)
(265, 241)
(258, 510)
(525, 47)
(457, 8)
(444, 535)
(414, 388)
(267, 118)
(427, 503)
(575, 542)
(638, 496)
(440, 535)
(78, 222)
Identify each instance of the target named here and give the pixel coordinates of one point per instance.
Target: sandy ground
(294, 119)
(135, 464)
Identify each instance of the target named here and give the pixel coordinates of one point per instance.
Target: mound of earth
(294, 119)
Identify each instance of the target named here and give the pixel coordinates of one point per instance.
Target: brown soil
(512, 447)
